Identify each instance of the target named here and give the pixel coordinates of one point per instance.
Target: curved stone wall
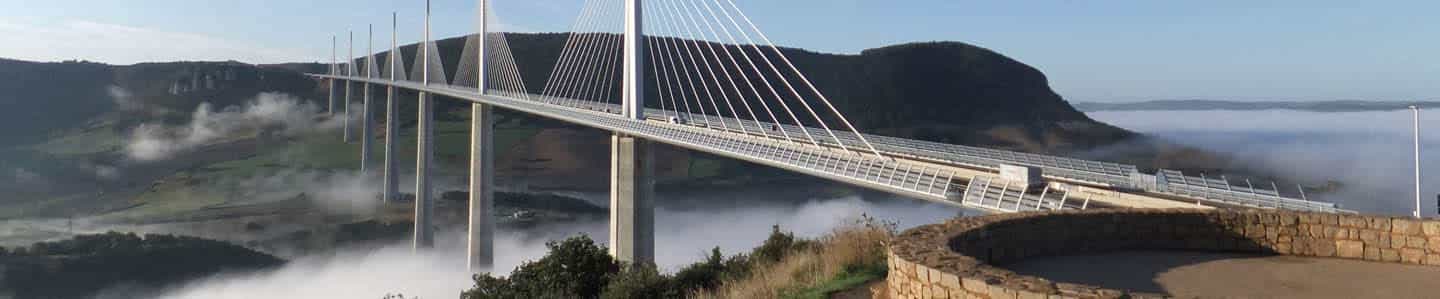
(959, 258)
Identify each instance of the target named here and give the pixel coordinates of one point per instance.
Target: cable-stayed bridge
(701, 75)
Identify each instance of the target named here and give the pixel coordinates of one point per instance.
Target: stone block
(1431, 228)
(1350, 249)
(1397, 241)
(1353, 221)
(1389, 255)
(935, 276)
(1283, 248)
(1405, 226)
(922, 273)
(1416, 242)
(1412, 256)
(1330, 219)
(1433, 246)
(1369, 236)
(1287, 219)
(938, 292)
(1432, 260)
(1324, 248)
(1378, 223)
(1001, 292)
(949, 281)
(1372, 253)
(975, 285)
(1337, 233)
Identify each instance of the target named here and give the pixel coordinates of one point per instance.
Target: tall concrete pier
(349, 71)
(632, 185)
(424, 153)
(480, 242)
(391, 179)
(367, 117)
(632, 200)
(334, 70)
(481, 239)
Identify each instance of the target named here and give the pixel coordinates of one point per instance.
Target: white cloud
(120, 44)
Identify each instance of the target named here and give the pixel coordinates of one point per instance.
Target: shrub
(777, 246)
(641, 281)
(573, 268)
(702, 275)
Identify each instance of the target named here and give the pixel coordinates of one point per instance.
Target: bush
(573, 268)
(777, 246)
(3, 251)
(702, 275)
(641, 281)
(707, 274)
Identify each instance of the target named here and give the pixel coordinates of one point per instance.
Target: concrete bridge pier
(632, 180)
(632, 200)
(391, 183)
(334, 93)
(424, 155)
(367, 133)
(349, 71)
(349, 96)
(480, 247)
(391, 179)
(480, 242)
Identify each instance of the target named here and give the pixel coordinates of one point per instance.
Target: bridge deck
(926, 170)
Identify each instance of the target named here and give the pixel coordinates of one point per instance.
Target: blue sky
(1091, 50)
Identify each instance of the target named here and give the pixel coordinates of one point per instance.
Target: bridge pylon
(425, 152)
(480, 241)
(632, 180)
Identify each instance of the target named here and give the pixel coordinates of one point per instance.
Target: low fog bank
(268, 113)
(682, 237)
(1370, 153)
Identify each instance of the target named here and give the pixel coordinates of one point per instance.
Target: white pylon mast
(634, 92)
(480, 44)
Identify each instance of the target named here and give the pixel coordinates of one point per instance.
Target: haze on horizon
(1092, 51)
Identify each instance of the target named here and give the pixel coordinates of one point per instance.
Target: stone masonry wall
(959, 258)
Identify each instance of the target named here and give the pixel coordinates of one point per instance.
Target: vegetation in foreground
(782, 267)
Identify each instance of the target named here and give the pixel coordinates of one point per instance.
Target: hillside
(119, 265)
(40, 98)
(940, 91)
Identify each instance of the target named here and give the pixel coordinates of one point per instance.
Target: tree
(702, 275)
(777, 246)
(573, 268)
(641, 281)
